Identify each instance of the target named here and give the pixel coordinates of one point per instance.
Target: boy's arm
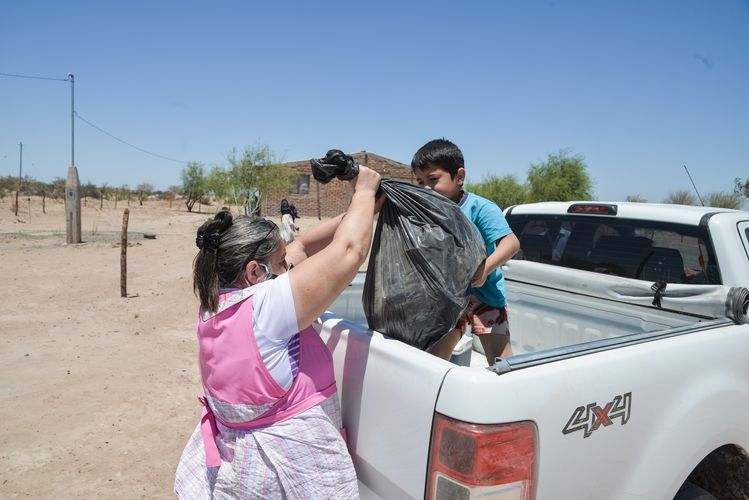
(506, 248)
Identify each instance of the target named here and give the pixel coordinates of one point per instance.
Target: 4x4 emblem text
(591, 417)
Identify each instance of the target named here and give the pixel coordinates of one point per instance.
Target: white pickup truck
(630, 377)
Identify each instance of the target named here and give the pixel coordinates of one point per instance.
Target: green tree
(255, 173)
(57, 188)
(217, 183)
(124, 192)
(35, 187)
(103, 193)
(505, 191)
(725, 199)
(8, 184)
(171, 194)
(560, 178)
(89, 190)
(742, 187)
(635, 198)
(144, 190)
(681, 197)
(193, 183)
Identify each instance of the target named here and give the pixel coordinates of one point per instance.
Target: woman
(271, 425)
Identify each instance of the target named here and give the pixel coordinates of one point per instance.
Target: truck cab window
(644, 250)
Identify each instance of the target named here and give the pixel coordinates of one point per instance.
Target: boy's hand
(479, 278)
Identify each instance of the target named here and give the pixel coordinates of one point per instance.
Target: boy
(438, 165)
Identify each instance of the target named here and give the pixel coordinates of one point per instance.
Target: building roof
(376, 162)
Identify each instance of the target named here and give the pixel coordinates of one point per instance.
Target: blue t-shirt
(492, 225)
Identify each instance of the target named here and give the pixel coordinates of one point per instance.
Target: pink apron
(240, 393)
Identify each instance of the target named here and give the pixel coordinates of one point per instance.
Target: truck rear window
(644, 250)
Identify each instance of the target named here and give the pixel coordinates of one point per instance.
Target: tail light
(490, 462)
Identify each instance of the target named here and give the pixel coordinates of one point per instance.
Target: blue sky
(639, 89)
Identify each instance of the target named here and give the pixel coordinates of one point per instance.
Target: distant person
(287, 221)
(271, 425)
(439, 166)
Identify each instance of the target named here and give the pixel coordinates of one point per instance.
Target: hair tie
(208, 241)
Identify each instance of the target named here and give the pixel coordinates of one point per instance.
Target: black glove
(335, 164)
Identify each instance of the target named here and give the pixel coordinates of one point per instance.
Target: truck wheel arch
(724, 472)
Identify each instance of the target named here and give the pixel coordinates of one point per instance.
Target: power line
(94, 126)
(34, 77)
(125, 142)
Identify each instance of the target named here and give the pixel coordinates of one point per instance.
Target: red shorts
(484, 319)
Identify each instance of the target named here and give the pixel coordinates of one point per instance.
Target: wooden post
(123, 254)
(318, 201)
(16, 202)
(116, 193)
(29, 209)
(44, 200)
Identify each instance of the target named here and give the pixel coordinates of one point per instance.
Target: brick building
(313, 199)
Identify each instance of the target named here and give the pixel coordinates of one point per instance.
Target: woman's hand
(367, 179)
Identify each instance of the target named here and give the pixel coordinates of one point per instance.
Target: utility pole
(72, 184)
(20, 175)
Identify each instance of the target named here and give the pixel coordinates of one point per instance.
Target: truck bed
(546, 317)
(583, 350)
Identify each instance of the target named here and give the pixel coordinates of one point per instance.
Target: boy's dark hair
(439, 153)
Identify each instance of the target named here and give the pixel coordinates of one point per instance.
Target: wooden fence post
(123, 254)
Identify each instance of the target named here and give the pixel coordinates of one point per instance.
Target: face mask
(268, 271)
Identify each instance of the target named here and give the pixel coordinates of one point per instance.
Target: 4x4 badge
(591, 417)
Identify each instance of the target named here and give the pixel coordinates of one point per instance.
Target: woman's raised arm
(327, 258)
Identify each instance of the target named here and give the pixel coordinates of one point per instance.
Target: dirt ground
(98, 393)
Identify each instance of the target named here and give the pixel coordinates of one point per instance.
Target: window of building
(299, 184)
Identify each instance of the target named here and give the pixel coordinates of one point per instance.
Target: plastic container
(462, 353)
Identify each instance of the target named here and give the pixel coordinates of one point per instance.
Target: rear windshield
(643, 250)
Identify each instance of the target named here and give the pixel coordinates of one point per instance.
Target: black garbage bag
(424, 254)
(335, 164)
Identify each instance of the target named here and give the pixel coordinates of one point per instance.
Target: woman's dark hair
(226, 246)
(285, 206)
(439, 153)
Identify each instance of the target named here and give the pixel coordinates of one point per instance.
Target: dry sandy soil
(98, 393)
